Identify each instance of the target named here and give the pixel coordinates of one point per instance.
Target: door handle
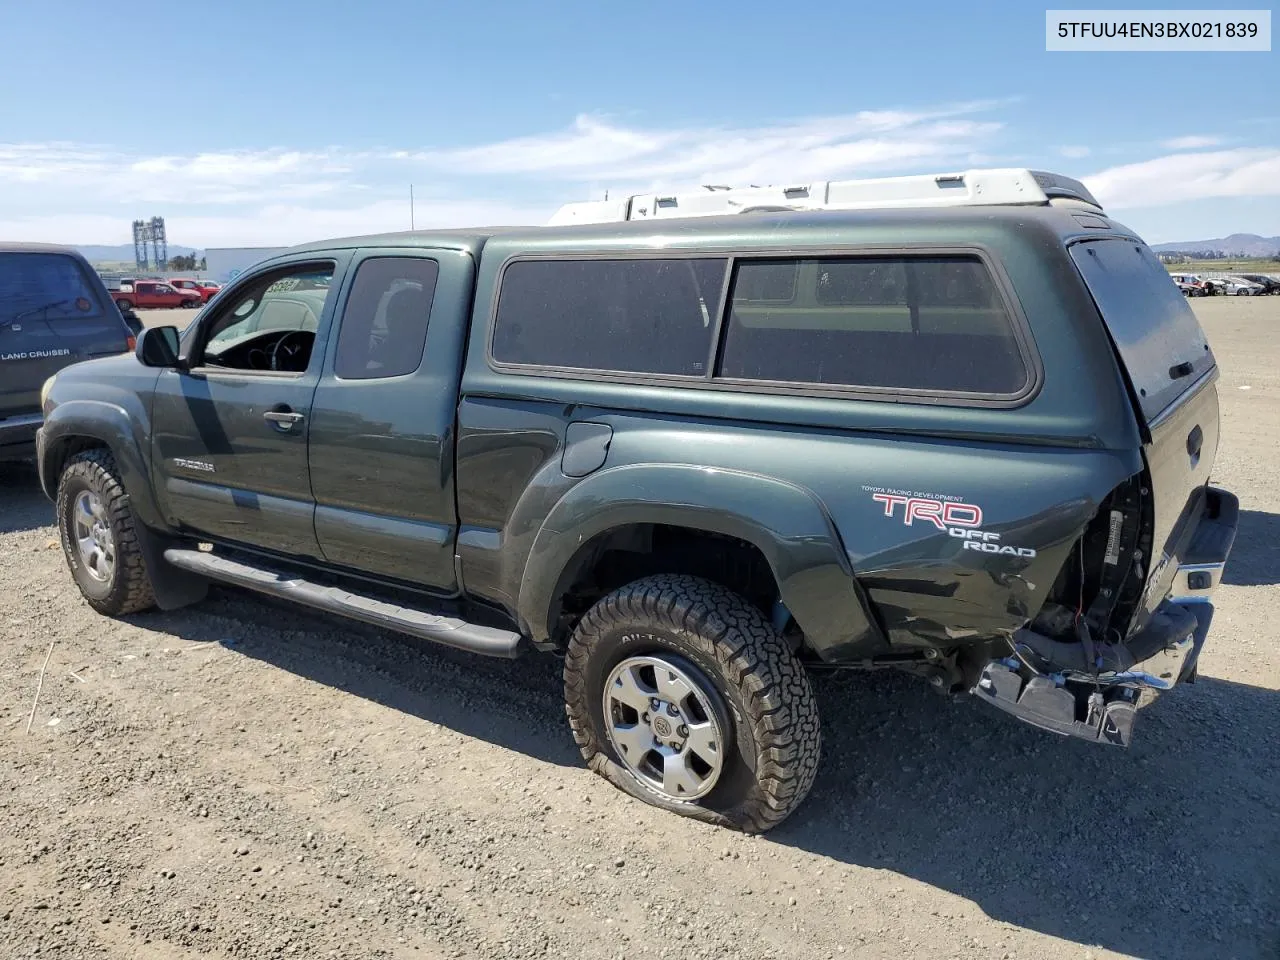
(282, 420)
(1195, 439)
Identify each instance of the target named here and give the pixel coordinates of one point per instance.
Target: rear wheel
(96, 525)
(124, 304)
(682, 694)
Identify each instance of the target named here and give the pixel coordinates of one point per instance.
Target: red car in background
(151, 294)
(205, 288)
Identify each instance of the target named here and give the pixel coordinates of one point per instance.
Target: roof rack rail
(967, 188)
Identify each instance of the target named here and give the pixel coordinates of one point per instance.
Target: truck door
(382, 422)
(229, 433)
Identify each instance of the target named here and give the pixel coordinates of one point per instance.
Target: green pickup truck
(698, 455)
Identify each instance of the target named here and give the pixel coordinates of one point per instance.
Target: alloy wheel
(660, 719)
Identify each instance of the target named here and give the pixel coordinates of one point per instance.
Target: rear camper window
(46, 285)
(1155, 331)
(926, 324)
(646, 316)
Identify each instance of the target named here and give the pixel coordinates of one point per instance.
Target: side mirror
(158, 347)
(132, 321)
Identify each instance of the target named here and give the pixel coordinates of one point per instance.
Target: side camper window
(931, 324)
(637, 315)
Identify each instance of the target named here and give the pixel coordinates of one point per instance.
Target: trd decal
(941, 513)
(949, 514)
(988, 542)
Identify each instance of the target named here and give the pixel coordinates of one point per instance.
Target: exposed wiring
(1080, 604)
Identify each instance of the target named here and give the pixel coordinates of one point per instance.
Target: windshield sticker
(947, 513)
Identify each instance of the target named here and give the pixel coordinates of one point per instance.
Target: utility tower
(150, 232)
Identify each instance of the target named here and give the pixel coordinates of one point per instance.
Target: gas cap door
(586, 445)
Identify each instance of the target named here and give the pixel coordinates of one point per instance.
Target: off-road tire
(129, 588)
(774, 734)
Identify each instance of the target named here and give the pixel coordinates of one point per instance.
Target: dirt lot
(160, 318)
(241, 779)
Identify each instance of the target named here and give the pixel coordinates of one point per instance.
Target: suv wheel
(680, 692)
(96, 525)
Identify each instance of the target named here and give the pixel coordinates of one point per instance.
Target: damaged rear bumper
(1102, 707)
(1101, 710)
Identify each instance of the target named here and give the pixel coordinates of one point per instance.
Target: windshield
(32, 282)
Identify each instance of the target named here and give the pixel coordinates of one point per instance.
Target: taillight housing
(131, 342)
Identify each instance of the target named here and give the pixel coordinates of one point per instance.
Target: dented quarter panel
(805, 498)
(927, 585)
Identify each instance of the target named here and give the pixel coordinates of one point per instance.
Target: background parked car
(54, 311)
(1240, 287)
(203, 288)
(151, 294)
(1190, 284)
(1270, 285)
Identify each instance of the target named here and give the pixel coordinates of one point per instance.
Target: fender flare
(113, 427)
(786, 522)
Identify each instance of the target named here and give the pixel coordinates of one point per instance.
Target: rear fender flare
(786, 522)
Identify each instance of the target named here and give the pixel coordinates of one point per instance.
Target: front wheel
(98, 537)
(682, 694)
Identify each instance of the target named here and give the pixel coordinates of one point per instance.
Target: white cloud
(282, 224)
(218, 177)
(1243, 172)
(1191, 143)
(85, 193)
(89, 193)
(276, 224)
(595, 150)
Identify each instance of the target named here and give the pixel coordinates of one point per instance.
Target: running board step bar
(450, 631)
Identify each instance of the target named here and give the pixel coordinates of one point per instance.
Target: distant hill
(124, 251)
(1237, 245)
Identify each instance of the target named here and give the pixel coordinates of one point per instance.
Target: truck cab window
(270, 323)
(384, 324)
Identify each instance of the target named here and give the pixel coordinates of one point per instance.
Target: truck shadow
(23, 505)
(1170, 849)
(1255, 558)
(503, 702)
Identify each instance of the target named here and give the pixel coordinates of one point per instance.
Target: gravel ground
(160, 318)
(242, 779)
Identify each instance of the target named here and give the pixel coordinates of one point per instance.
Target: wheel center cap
(662, 727)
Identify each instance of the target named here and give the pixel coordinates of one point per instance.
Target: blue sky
(281, 121)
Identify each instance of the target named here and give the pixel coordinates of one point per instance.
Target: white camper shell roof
(968, 188)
